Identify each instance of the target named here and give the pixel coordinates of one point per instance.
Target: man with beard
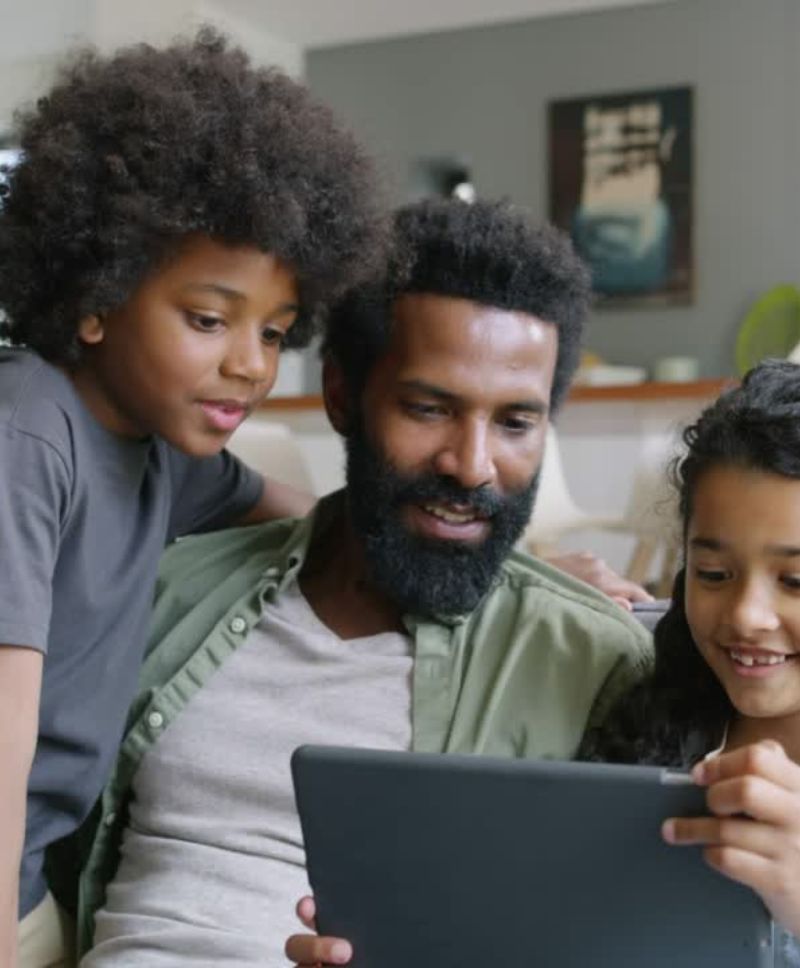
(397, 616)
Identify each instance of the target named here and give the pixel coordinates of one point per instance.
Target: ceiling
(322, 23)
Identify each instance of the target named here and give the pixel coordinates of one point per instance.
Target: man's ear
(336, 396)
(91, 329)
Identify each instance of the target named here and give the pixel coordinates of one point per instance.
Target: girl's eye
(712, 575)
(271, 337)
(792, 582)
(203, 322)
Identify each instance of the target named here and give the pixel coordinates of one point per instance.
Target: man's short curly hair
(129, 154)
(487, 252)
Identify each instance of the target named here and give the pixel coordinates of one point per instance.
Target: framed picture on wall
(620, 173)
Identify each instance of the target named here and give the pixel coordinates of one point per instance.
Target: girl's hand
(309, 950)
(754, 833)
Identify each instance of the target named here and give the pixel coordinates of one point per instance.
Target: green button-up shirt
(541, 658)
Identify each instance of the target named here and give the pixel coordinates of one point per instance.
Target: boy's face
(193, 350)
(443, 462)
(743, 588)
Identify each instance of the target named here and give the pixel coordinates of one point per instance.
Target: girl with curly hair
(178, 216)
(724, 695)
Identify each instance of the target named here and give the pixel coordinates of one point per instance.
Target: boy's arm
(20, 685)
(278, 501)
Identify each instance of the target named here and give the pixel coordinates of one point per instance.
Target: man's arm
(278, 501)
(20, 686)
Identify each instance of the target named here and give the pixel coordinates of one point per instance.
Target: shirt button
(155, 720)
(238, 625)
(109, 819)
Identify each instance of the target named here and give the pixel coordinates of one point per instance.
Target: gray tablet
(427, 861)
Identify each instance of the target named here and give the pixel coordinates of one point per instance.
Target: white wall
(115, 23)
(22, 80)
(37, 34)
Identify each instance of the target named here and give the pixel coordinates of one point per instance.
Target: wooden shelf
(310, 402)
(699, 389)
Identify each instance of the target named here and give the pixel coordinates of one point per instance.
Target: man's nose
(468, 456)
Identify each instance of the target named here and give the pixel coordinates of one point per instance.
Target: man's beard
(423, 575)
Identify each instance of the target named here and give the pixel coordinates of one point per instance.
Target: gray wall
(482, 93)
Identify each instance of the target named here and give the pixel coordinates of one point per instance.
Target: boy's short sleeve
(211, 492)
(34, 501)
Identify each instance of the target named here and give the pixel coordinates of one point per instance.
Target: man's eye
(518, 425)
(418, 409)
(204, 322)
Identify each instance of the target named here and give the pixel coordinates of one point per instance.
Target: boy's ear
(335, 396)
(91, 329)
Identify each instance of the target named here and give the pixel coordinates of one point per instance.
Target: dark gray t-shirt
(84, 517)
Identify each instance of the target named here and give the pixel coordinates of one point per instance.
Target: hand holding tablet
(460, 861)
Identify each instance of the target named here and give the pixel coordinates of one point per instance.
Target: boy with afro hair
(176, 218)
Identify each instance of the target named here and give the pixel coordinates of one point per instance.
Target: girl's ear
(336, 396)
(91, 330)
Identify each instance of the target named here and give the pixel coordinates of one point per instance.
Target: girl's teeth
(749, 660)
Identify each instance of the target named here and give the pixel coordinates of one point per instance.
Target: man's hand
(309, 950)
(594, 571)
(754, 833)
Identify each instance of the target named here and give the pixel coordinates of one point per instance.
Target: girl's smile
(743, 587)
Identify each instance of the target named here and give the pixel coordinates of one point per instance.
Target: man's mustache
(437, 489)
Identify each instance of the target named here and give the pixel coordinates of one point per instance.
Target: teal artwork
(620, 183)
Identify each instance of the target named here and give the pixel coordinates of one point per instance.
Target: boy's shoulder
(35, 398)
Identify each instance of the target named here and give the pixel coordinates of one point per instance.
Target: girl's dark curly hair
(129, 154)
(679, 713)
(487, 252)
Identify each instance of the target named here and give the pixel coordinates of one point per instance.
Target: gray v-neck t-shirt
(84, 517)
(212, 861)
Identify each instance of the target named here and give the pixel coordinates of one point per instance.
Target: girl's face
(743, 587)
(194, 348)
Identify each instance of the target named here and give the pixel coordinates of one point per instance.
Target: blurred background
(462, 97)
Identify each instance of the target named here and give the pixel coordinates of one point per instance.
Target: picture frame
(620, 182)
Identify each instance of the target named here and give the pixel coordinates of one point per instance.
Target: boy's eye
(204, 322)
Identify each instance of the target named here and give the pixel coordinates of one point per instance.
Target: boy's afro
(129, 154)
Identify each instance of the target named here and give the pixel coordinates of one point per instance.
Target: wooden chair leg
(641, 559)
(669, 567)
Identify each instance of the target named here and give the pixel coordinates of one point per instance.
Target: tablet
(450, 861)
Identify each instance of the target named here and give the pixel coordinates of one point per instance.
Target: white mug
(676, 369)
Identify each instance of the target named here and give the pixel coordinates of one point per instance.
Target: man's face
(443, 458)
